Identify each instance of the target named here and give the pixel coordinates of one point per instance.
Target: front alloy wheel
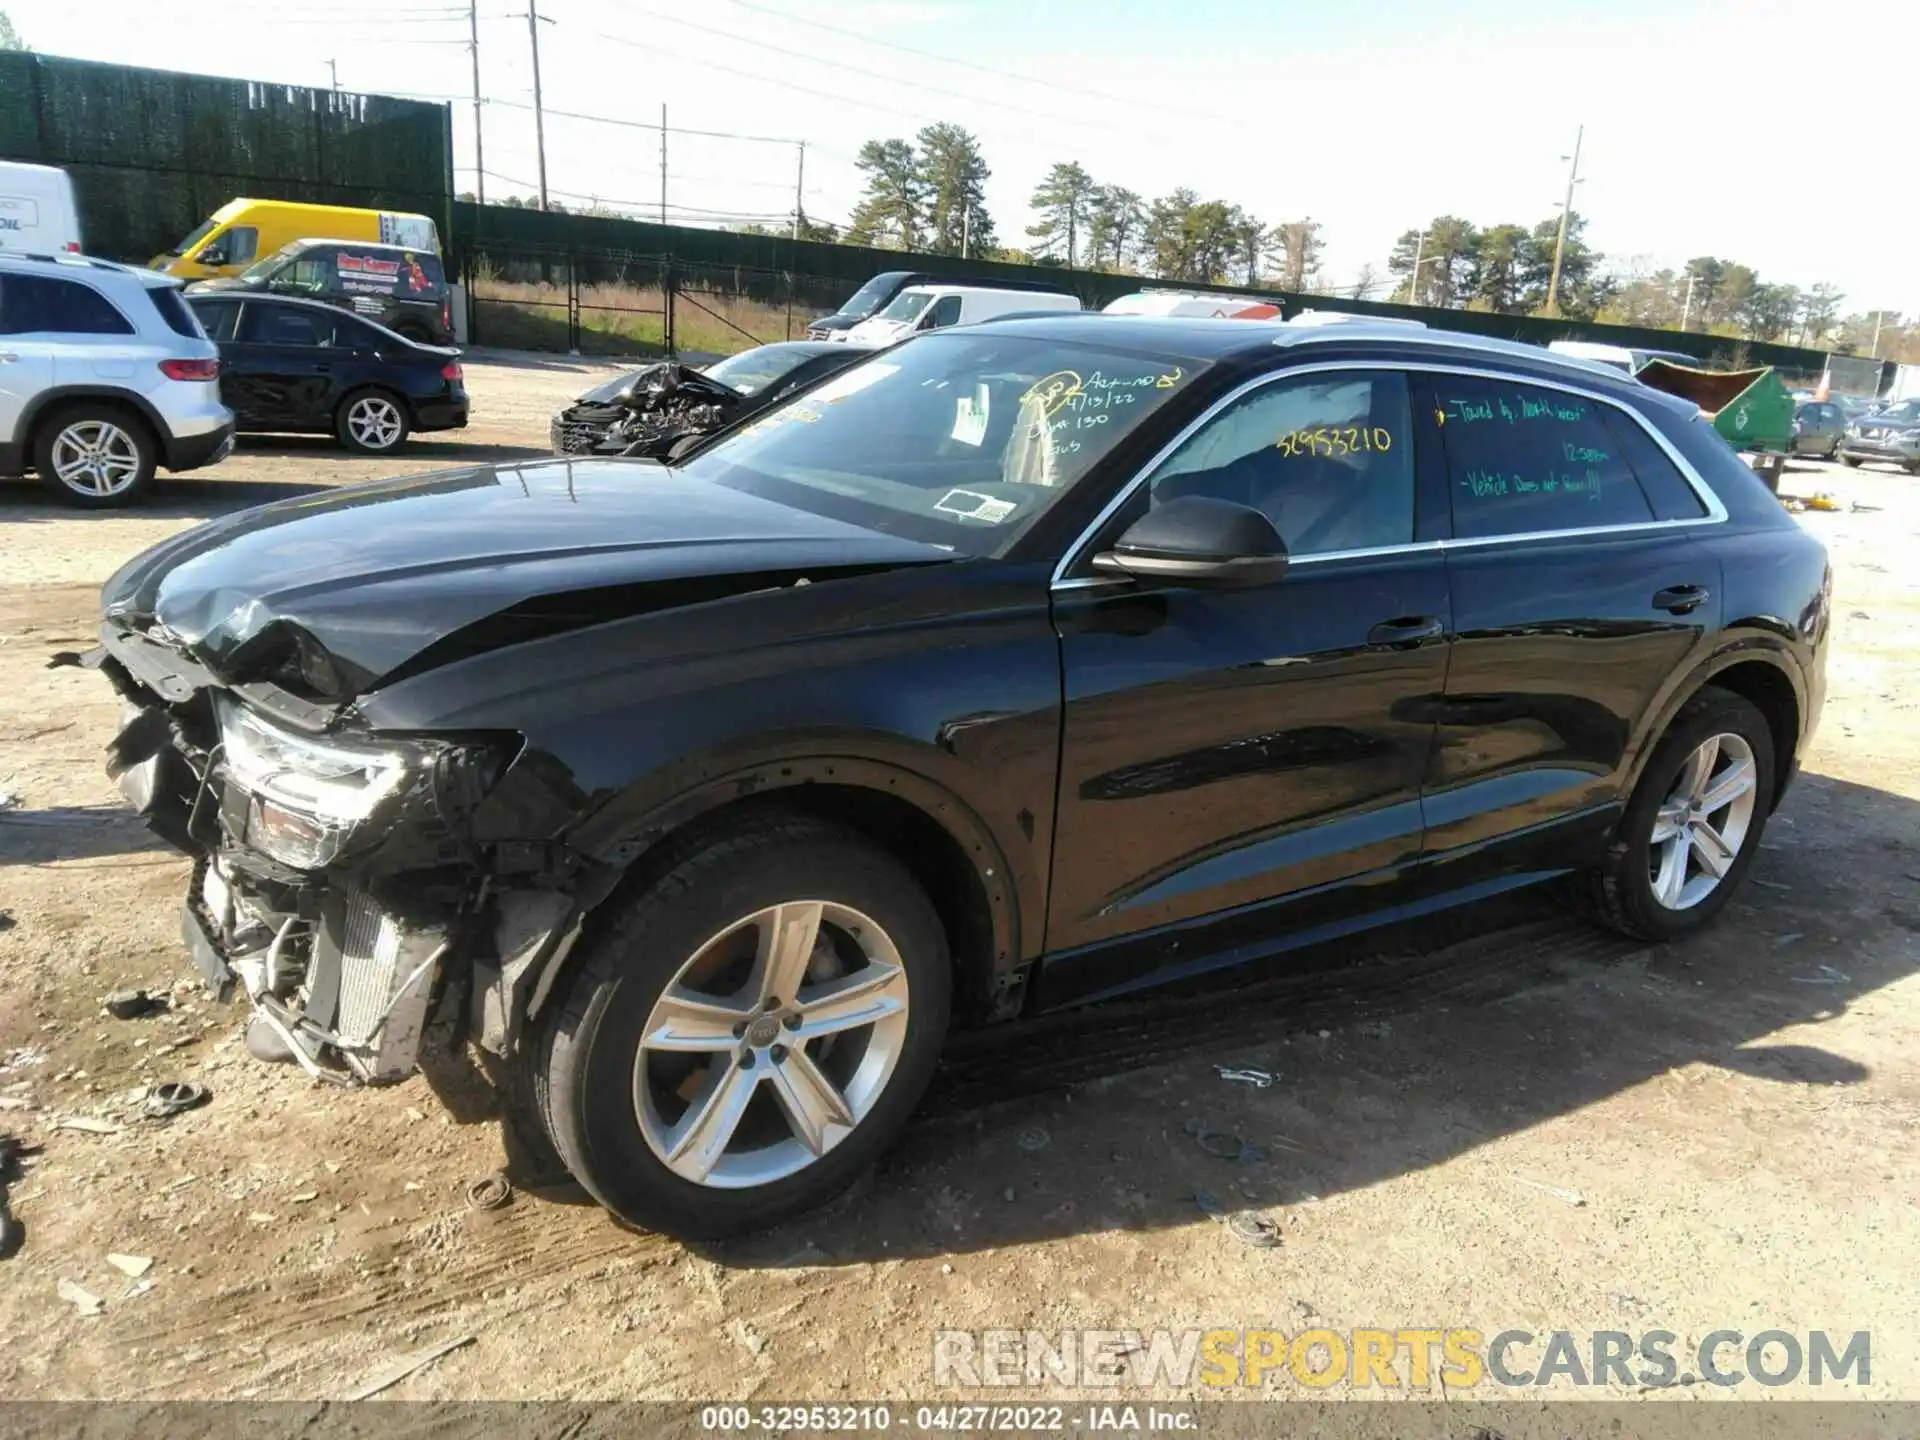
(747, 1031)
(804, 1004)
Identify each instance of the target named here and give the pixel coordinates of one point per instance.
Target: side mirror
(212, 255)
(1198, 540)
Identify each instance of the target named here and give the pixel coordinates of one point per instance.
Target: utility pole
(334, 70)
(479, 150)
(1566, 216)
(539, 115)
(800, 191)
(1413, 275)
(966, 230)
(1686, 310)
(663, 162)
(1874, 349)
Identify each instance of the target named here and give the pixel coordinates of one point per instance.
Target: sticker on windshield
(970, 505)
(970, 417)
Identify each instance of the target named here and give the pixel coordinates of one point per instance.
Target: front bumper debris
(344, 963)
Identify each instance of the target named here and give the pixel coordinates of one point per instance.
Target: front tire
(96, 456)
(749, 1033)
(1852, 462)
(1693, 826)
(372, 422)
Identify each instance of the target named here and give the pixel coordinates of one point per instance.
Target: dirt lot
(1736, 1118)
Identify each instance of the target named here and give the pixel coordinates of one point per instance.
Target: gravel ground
(1504, 1120)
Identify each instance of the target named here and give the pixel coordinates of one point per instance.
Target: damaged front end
(340, 880)
(647, 415)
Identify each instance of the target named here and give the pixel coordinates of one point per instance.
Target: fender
(1770, 640)
(621, 832)
(58, 394)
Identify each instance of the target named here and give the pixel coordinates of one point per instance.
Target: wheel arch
(938, 836)
(51, 401)
(1760, 669)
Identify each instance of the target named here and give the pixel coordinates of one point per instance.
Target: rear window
(45, 304)
(174, 310)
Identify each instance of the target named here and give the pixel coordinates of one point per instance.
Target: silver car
(1890, 434)
(105, 376)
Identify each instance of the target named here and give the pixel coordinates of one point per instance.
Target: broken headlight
(305, 796)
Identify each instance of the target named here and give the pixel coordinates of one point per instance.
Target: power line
(648, 124)
(1132, 102)
(911, 81)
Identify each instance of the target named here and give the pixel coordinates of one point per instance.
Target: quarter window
(1523, 459)
(217, 316)
(1666, 489)
(46, 305)
(1328, 458)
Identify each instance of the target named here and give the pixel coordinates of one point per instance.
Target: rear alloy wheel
(748, 1033)
(1694, 823)
(96, 457)
(373, 423)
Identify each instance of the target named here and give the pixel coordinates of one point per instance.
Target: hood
(329, 593)
(834, 323)
(876, 332)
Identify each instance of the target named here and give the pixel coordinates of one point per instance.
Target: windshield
(752, 371)
(266, 269)
(960, 439)
(908, 305)
(1905, 410)
(200, 232)
(869, 297)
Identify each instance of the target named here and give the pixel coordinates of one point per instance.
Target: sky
(1748, 129)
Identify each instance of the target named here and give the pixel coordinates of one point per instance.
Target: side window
(945, 311)
(243, 245)
(217, 318)
(45, 304)
(1666, 489)
(311, 272)
(285, 325)
(1522, 458)
(1328, 458)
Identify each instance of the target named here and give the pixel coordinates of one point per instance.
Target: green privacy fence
(571, 270)
(154, 152)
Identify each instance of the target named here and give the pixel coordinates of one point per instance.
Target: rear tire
(372, 422)
(1852, 462)
(1641, 889)
(95, 455)
(784, 899)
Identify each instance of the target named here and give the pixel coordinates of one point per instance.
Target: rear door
(1580, 584)
(281, 366)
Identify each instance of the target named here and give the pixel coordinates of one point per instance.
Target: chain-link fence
(620, 303)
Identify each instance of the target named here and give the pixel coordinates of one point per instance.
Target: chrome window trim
(1716, 511)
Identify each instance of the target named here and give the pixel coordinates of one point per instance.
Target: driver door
(1236, 759)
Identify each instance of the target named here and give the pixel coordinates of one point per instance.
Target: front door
(1580, 585)
(1225, 749)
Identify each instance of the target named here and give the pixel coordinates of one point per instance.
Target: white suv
(105, 375)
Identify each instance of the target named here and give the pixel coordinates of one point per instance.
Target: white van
(933, 307)
(1194, 302)
(37, 213)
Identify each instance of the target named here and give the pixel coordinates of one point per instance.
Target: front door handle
(1681, 599)
(1408, 630)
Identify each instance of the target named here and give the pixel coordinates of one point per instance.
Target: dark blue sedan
(298, 366)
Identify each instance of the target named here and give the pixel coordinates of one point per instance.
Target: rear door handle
(1409, 630)
(1681, 599)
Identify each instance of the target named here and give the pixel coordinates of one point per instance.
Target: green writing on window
(1515, 410)
(1493, 484)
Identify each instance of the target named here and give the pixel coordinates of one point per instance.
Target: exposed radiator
(369, 965)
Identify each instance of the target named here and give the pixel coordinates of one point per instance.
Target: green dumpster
(1750, 408)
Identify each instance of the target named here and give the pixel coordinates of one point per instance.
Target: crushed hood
(348, 585)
